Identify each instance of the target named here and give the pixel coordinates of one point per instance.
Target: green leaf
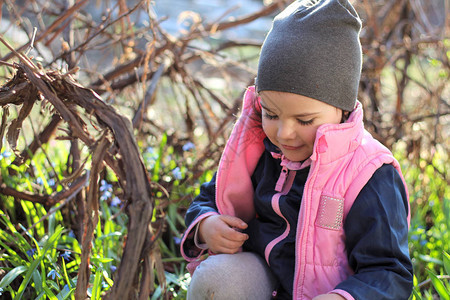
(96, 260)
(417, 295)
(96, 287)
(37, 280)
(439, 286)
(49, 294)
(64, 273)
(65, 293)
(108, 280)
(50, 242)
(5, 220)
(9, 250)
(52, 284)
(112, 234)
(40, 296)
(447, 263)
(428, 258)
(8, 278)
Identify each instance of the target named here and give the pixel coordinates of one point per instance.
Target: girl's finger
(234, 222)
(234, 235)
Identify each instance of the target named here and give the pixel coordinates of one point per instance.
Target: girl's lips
(291, 147)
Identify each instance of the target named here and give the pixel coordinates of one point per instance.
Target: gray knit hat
(313, 49)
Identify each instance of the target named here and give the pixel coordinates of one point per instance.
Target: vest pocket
(330, 213)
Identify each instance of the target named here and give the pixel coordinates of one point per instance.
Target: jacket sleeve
(376, 230)
(204, 205)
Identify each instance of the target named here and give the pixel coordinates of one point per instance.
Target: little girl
(305, 204)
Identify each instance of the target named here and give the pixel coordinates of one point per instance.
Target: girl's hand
(329, 297)
(221, 233)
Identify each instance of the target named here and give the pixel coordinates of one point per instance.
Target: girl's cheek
(310, 134)
(266, 127)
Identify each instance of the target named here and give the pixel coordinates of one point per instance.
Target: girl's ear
(345, 115)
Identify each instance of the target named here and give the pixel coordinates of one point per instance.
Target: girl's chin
(296, 156)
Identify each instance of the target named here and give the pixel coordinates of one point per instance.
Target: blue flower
(177, 173)
(115, 202)
(51, 182)
(106, 190)
(104, 186)
(39, 181)
(5, 154)
(31, 252)
(71, 234)
(113, 268)
(177, 240)
(53, 274)
(66, 255)
(188, 146)
(105, 195)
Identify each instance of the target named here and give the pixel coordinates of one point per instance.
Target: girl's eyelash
(301, 122)
(309, 122)
(270, 117)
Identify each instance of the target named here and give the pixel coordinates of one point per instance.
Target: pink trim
(187, 233)
(276, 208)
(342, 293)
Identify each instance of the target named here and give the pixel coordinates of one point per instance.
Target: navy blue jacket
(376, 237)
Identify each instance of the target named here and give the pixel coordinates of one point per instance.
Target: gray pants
(238, 276)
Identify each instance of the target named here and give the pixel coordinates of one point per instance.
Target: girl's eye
(305, 123)
(270, 117)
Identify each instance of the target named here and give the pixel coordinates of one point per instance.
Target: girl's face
(290, 121)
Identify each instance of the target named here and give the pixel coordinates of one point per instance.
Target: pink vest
(344, 159)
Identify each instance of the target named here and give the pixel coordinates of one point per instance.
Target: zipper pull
(281, 179)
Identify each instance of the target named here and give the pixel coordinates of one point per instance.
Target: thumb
(234, 222)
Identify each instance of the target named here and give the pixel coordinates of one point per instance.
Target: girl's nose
(285, 131)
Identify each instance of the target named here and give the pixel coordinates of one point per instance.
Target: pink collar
(287, 165)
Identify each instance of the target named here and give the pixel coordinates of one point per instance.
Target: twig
(102, 28)
(32, 41)
(56, 23)
(428, 281)
(63, 110)
(74, 189)
(7, 64)
(138, 61)
(43, 137)
(90, 221)
(139, 115)
(23, 58)
(49, 200)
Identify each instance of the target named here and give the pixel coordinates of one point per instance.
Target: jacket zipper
(276, 207)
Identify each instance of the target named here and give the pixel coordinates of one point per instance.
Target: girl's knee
(232, 276)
